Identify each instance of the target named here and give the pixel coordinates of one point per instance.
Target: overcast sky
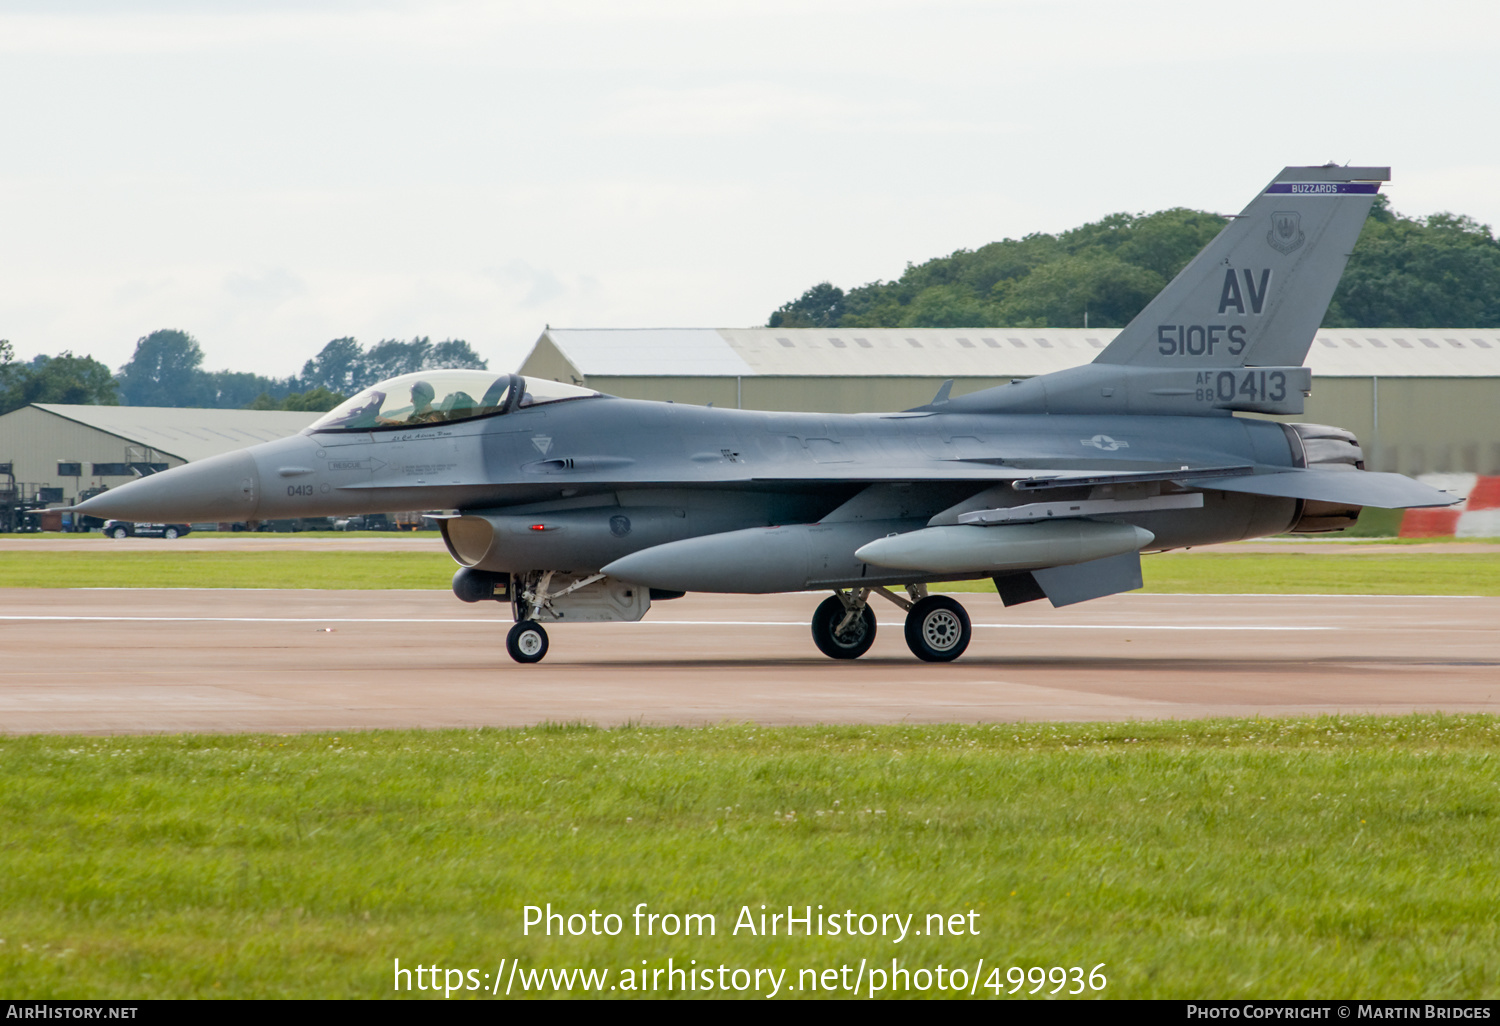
(271, 175)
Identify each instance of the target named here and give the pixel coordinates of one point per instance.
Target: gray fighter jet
(572, 506)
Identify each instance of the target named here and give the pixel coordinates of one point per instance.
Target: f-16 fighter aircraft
(572, 506)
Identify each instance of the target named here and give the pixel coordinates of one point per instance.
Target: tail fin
(1257, 293)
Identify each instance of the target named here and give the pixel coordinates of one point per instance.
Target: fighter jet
(566, 505)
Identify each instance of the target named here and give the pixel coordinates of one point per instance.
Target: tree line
(167, 370)
(1439, 271)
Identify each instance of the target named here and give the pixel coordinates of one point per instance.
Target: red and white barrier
(1478, 516)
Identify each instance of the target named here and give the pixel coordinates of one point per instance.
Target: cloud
(541, 284)
(267, 288)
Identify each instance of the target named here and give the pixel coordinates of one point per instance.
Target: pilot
(421, 411)
(422, 395)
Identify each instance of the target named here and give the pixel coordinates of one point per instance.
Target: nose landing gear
(527, 642)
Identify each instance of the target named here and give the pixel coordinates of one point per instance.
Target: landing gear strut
(843, 627)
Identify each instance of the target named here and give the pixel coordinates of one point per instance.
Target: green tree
(166, 370)
(65, 378)
(1095, 286)
(1440, 272)
(821, 306)
(233, 390)
(7, 366)
(338, 367)
(1109, 268)
(343, 366)
(392, 356)
(455, 353)
(314, 400)
(946, 306)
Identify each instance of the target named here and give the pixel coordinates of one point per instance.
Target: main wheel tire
(120, 532)
(170, 533)
(937, 629)
(526, 642)
(854, 642)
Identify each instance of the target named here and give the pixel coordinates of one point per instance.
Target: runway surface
(163, 661)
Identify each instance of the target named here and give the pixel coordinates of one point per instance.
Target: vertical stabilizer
(1257, 293)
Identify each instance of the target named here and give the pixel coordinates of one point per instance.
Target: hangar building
(75, 448)
(1421, 400)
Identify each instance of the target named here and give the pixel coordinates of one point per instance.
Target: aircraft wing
(1355, 487)
(1024, 478)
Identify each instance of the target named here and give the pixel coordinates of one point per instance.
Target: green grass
(1312, 573)
(1376, 523)
(1301, 572)
(1331, 857)
(431, 568)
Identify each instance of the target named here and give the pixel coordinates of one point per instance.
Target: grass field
(272, 569)
(1392, 572)
(1334, 857)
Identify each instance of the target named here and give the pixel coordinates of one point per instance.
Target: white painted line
(655, 623)
(1278, 595)
(1153, 627)
(257, 619)
(1020, 626)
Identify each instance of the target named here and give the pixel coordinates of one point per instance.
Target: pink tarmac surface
(164, 661)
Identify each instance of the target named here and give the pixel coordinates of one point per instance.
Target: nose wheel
(937, 629)
(526, 642)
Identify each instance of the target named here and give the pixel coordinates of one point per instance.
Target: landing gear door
(603, 601)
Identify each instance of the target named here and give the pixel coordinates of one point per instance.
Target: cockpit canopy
(443, 396)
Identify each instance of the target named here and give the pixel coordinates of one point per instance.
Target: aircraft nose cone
(223, 487)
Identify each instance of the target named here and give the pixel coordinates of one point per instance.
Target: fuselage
(676, 471)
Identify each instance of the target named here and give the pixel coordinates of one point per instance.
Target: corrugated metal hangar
(1421, 400)
(80, 447)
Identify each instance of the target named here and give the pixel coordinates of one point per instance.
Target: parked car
(294, 524)
(128, 529)
(366, 522)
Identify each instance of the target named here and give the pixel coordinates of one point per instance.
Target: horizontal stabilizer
(1355, 487)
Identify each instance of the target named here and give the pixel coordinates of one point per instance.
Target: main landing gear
(843, 626)
(937, 627)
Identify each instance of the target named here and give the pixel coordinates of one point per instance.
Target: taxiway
(154, 661)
